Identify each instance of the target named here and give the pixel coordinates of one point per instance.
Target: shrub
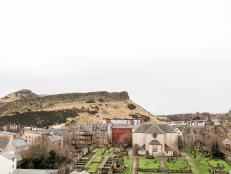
(101, 100)
(90, 101)
(131, 106)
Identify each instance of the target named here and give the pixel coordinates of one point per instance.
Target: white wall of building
(138, 138)
(149, 138)
(171, 140)
(7, 166)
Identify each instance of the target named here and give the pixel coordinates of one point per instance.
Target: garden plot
(146, 163)
(175, 163)
(201, 164)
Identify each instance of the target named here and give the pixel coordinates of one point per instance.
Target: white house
(197, 123)
(8, 162)
(216, 122)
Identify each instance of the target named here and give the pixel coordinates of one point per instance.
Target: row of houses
(109, 132)
(17, 142)
(150, 139)
(195, 123)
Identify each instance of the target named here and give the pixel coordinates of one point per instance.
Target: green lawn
(95, 150)
(95, 162)
(128, 163)
(98, 158)
(175, 164)
(92, 167)
(215, 162)
(145, 163)
(200, 164)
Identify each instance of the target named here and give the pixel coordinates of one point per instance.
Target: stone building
(155, 140)
(83, 135)
(16, 145)
(35, 136)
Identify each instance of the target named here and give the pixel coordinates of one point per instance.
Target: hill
(81, 107)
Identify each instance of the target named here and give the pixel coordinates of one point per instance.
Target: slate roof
(143, 128)
(8, 155)
(8, 133)
(3, 142)
(89, 127)
(154, 142)
(19, 142)
(55, 138)
(166, 128)
(154, 129)
(57, 131)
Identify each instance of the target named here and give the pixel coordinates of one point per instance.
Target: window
(154, 135)
(154, 149)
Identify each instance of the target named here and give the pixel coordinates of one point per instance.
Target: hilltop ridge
(18, 95)
(91, 105)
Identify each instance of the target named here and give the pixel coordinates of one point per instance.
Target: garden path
(162, 166)
(134, 164)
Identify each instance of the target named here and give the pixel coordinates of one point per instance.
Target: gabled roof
(154, 129)
(166, 128)
(143, 128)
(154, 142)
(3, 142)
(8, 155)
(19, 142)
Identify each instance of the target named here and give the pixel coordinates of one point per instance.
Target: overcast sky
(171, 56)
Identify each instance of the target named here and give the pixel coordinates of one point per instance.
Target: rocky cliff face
(92, 106)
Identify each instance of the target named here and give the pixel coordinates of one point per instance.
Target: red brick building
(121, 129)
(122, 134)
